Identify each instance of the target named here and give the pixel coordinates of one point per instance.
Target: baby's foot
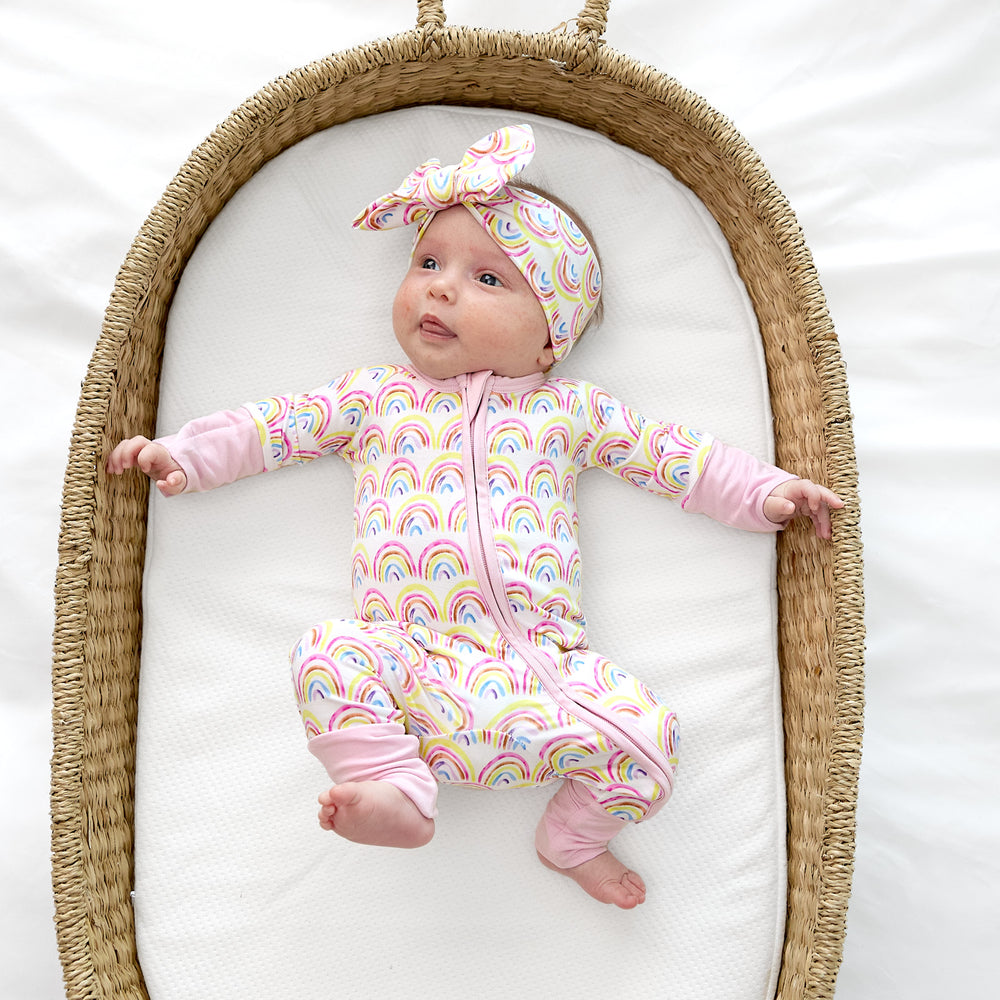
(606, 879)
(374, 812)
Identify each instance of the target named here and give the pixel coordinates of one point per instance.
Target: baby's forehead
(460, 229)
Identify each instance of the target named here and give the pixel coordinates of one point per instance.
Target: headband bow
(544, 243)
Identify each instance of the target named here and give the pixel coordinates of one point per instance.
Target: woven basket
(569, 75)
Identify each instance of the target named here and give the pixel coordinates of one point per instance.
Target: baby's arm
(150, 457)
(802, 497)
(737, 489)
(205, 453)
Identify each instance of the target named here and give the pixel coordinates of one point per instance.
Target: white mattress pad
(238, 893)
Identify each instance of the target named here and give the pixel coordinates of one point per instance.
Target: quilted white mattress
(238, 893)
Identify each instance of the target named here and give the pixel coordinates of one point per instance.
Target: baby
(467, 659)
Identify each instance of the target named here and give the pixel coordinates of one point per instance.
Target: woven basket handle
(590, 25)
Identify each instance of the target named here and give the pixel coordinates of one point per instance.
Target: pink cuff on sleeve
(216, 449)
(732, 488)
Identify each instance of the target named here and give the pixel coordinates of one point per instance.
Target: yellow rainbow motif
(393, 563)
(519, 596)
(564, 753)
(506, 553)
(353, 715)
(354, 406)
(554, 438)
(316, 681)
(560, 527)
(449, 439)
(542, 401)
(638, 476)
(612, 450)
(446, 402)
(458, 518)
(360, 570)
(560, 603)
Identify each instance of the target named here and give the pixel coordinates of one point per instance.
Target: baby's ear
(546, 359)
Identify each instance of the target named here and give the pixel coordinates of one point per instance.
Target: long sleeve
(216, 449)
(732, 488)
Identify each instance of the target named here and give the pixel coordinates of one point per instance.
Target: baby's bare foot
(606, 879)
(374, 812)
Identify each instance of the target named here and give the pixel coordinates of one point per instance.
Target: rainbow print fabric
(542, 240)
(421, 647)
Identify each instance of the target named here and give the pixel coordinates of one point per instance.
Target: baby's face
(463, 305)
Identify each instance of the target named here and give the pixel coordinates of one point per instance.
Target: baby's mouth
(433, 329)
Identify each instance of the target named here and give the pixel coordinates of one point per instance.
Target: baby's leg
(572, 838)
(383, 793)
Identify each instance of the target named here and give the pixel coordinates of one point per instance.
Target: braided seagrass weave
(569, 75)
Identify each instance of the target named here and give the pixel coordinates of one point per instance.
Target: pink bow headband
(539, 237)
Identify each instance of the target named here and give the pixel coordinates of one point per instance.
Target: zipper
(476, 389)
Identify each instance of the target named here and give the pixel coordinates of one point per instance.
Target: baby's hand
(151, 458)
(800, 496)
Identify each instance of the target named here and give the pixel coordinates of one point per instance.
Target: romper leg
(352, 716)
(575, 827)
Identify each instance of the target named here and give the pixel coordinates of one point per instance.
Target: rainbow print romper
(467, 627)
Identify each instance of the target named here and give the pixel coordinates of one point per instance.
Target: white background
(880, 122)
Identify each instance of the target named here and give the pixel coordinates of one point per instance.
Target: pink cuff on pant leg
(574, 827)
(378, 752)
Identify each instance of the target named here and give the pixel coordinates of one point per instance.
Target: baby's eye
(429, 264)
(490, 279)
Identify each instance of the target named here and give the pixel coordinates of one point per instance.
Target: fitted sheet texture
(237, 891)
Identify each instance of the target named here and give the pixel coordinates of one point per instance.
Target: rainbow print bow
(542, 240)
